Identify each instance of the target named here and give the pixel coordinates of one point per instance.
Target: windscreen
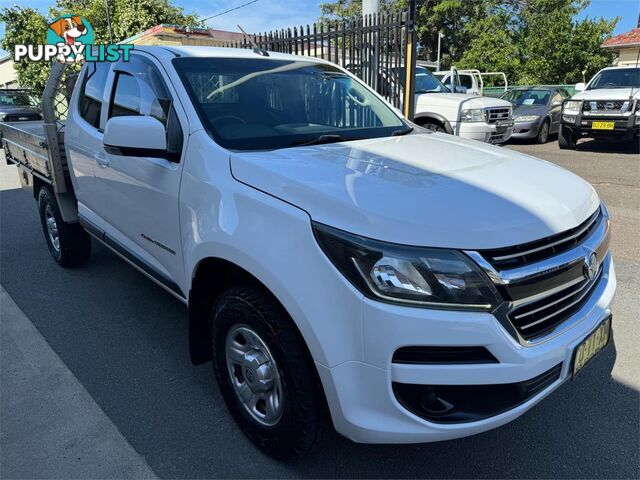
(16, 99)
(616, 78)
(256, 104)
(528, 97)
(427, 82)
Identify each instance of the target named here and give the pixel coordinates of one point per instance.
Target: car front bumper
(526, 129)
(364, 406)
(485, 132)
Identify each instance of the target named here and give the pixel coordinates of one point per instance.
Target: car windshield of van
(259, 104)
(616, 78)
(528, 97)
(16, 100)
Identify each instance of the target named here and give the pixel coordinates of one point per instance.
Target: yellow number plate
(602, 125)
(591, 345)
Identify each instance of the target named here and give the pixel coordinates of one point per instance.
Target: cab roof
(220, 52)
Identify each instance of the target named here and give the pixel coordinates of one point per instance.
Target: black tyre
(266, 374)
(566, 138)
(432, 125)
(543, 133)
(69, 243)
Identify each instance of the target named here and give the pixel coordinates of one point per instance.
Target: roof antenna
(256, 48)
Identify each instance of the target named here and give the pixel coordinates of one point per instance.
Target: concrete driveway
(125, 342)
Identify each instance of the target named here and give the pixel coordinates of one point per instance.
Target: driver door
(139, 195)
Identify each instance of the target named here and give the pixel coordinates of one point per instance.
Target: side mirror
(580, 87)
(135, 136)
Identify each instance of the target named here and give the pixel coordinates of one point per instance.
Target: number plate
(592, 345)
(603, 125)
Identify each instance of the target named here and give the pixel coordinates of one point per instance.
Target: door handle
(102, 161)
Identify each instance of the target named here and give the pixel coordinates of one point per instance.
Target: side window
(466, 81)
(140, 90)
(90, 102)
(126, 96)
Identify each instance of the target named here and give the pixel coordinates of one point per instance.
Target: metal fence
(377, 48)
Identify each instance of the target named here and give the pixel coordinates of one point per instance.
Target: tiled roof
(629, 38)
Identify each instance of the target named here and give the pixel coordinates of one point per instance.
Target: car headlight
(472, 115)
(572, 106)
(419, 276)
(527, 118)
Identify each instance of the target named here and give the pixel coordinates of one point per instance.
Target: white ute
(340, 265)
(470, 116)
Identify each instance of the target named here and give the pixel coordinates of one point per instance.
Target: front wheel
(265, 373)
(566, 138)
(69, 243)
(433, 126)
(543, 133)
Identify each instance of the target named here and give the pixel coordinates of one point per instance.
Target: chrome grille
(494, 114)
(536, 318)
(511, 257)
(607, 107)
(544, 283)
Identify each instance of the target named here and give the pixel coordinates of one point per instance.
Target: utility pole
(106, 6)
(440, 37)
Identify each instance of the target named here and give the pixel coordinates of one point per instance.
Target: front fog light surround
(430, 277)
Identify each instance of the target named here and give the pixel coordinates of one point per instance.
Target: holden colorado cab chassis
(340, 264)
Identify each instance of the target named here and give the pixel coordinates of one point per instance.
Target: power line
(230, 10)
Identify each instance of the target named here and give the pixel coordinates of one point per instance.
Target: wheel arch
(422, 116)
(211, 276)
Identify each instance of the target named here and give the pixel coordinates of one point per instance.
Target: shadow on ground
(125, 340)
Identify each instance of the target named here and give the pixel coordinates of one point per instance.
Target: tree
(538, 41)
(24, 25)
(128, 17)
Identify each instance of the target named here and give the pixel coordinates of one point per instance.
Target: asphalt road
(125, 340)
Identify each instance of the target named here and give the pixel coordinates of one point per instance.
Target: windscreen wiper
(328, 138)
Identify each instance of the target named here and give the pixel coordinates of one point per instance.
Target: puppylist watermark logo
(70, 39)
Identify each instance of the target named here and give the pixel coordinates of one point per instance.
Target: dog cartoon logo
(72, 32)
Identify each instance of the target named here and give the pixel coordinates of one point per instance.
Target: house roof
(628, 39)
(165, 28)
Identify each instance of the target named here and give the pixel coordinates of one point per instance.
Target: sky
(265, 15)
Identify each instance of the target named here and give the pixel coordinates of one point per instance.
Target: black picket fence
(374, 48)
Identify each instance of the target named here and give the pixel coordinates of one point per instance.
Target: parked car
(607, 107)
(536, 111)
(470, 116)
(18, 105)
(472, 80)
(339, 263)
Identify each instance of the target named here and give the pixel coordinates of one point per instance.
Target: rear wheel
(566, 138)
(265, 373)
(69, 243)
(543, 133)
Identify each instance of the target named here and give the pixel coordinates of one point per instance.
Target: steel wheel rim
(254, 375)
(52, 228)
